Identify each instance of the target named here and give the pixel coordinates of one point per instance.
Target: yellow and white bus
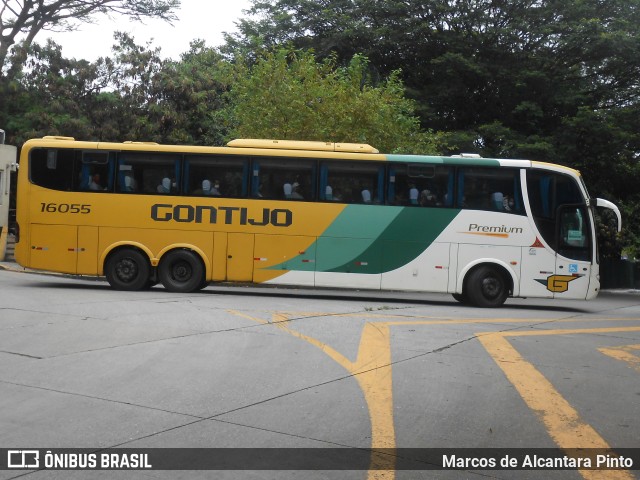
(306, 214)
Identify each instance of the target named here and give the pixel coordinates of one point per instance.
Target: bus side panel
(361, 258)
(87, 250)
(572, 279)
(538, 270)
(429, 272)
(276, 255)
(453, 269)
(54, 247)
(240, 257)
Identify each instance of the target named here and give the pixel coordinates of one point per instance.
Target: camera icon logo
(23, 459)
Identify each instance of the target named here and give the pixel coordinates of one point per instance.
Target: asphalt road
(83, 366)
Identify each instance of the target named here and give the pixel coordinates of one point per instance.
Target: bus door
(574, 252)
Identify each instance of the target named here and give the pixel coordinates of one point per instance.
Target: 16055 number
(65, 208)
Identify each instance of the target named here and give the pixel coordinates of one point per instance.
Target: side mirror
(600, 202)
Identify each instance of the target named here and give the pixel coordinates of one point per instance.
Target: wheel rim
(492, 287)
(181, 271)
(127, 270)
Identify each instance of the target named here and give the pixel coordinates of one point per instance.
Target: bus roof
(292, 148)
(302, 145)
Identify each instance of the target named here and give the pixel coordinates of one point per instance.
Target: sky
(203, 19)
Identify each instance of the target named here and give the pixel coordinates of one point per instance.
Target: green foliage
(51, 96)
(193, 97)
(135, 95)
(290, 95)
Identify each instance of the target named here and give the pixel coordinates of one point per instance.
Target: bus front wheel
(181, 271)
(486, 287)
(460, 297)
(127, 269)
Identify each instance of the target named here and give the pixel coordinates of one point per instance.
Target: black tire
(181, 271)
(486, 287)
(127, 269)
(460, 297)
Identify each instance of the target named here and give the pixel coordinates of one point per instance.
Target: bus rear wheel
(127, 269)
(181, 271)
(486, 287)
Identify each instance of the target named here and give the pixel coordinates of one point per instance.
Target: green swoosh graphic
(367, 239)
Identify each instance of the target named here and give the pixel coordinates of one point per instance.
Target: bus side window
(493, 189)
(126, 179)
(54, 169)
(284, 179)
(147, 172)
(215, 175)
(95, 171)
(352, 182)
(422, 185)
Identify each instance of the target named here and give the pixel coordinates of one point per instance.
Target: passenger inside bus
(497, 201)
(508, 203)
(208, 189)
(165, 186)
(129, 184)
(428, 198)
(95, 184)
(295, 194)
(502, 202)
(328, 193)
(291, 191)
(413, 194)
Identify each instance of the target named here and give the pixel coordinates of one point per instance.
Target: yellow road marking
(624, 353)
(373, 371)
(561, 420)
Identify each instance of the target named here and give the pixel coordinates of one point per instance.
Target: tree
(132, 95)
(54, 96)
(290, 95)
(473, 65)
(28, 18)
(103, 100)
(192, 98)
